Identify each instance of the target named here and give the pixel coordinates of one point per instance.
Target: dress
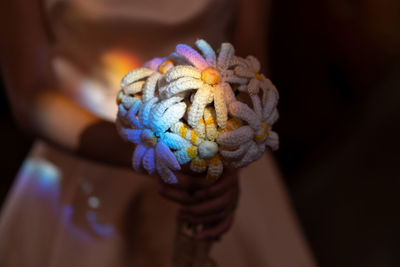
(68, 211)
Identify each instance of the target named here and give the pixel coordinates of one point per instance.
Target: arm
(36, 102)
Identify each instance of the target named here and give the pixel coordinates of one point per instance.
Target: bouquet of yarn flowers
(199, 108)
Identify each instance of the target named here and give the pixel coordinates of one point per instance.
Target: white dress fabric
(64, 210)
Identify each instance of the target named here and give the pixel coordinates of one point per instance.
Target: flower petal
(269, 102)
(185, 155)
(210, 122)
(237, 153)
(192, 56)
(198, 165)
(154, 63)
(159, 109)
(144, 112)
(253, 87)
(208, 52)
(187, 133)
(149, 87)
(149, 161)
(174, 141)
(232, 78)
(131, 117)
(181, 85)
(134, 88)
(237, 61)
(121, 111)
(255, 99)
(131, 135)
(253, 63)
(169, 118)
(250, 156)
(165, 173)
(229, 95)
(273, 117)
(236, 137)
(182, 71)
(225, 56)
(220, 107)
(164, 154)
(215, 168)
(199, 102)
(140, 150)
(243, 71)
(244, 112)
(135, 75)
(273, 140)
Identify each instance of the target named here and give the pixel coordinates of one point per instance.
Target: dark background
(336, 64)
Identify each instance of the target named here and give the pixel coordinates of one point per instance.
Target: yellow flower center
(229, 148)
(216, 160)
(232, 125)
(264, 131)
(192, 152)
(210, 76)
(199, 163)
(151, 141)
(258, 76)
(164, 64)
(119, 96)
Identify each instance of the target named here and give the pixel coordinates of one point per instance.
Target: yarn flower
(208, 75)
(144, 120)
(250, 130)
(144, 80)
(154, 144)
(202, 150)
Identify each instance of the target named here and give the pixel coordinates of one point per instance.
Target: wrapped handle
(189, 251)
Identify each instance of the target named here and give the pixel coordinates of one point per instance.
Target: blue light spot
(43, 174)
(103, 230)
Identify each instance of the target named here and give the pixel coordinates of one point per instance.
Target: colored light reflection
(98, 91)
(116, 63)
(104, 230)
(41, 175)
(40, 180)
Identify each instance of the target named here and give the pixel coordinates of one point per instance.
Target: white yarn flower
(145, 80)
(208, 75)
(145, 123)
(242, 144)
(154, 142)
(202, 149)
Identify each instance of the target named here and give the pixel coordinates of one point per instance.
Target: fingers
(213, 205)
(175, 194)
(215, 231)
(208, 218)
(223, 185)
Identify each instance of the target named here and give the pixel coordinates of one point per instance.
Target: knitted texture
(199, 107)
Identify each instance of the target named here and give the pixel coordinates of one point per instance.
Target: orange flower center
(258, 76)
(151, 141)
(264, 131)
(164, 65)
(210, 76)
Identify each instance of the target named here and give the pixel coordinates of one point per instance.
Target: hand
(211, 205)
